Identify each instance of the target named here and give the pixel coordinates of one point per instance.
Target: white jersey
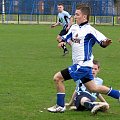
(64, 18)
(82, 38)
(81, 88)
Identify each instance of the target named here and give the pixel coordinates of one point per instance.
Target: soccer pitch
(29, 58)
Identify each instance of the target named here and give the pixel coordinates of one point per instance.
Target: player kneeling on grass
(82, 99)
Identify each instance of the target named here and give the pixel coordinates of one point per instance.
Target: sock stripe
(109, 91)
(60, 93)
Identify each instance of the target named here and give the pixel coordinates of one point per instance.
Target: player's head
(96, 67)
(60, 7)
(82, 13)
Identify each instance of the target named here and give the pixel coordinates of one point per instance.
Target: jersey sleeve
(67, 14)
(99, 37)
(58, 19)
(99, 81)
(77, 85)
(95, 35)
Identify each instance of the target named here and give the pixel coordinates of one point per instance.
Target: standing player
(84, 99)
(82, 37)
(64, 19)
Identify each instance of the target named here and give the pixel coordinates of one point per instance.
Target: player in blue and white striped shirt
(82, 37)
(65, 20)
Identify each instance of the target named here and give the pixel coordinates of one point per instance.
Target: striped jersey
(64, 18)
(82, 38)
(81, 88)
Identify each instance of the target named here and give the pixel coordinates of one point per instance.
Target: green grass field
(29, 57)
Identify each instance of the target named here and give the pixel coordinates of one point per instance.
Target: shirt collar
(83, 23)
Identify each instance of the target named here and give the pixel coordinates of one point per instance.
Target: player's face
(95, 70)
(80, 17)
(60, 8)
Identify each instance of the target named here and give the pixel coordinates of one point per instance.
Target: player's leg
(86, 78)
(77, 103)
(59, 78)
(59, 107)
(105, 106)
(86, 102)
(99, 106)
(65, 50)
(102, 89)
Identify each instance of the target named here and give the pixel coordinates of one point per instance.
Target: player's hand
(52, 26)
(107, 42)
(67, 28)
(70, 106)
(67, 104)
(61, 44)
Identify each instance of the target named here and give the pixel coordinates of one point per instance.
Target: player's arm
(101, 98)
(72, 99)
(66, 38)
(105, 43)
(64, 43)
(101, 39)
(70, 23)
(60, 44)
(54, 25)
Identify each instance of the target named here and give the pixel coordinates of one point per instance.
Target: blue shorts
(78, 99)
(80, 72)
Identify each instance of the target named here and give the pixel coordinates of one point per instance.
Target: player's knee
(58, 38)
(83, 100)
(57, 77)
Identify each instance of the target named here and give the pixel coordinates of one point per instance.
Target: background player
(64, 19)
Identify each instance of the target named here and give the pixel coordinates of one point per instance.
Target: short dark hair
(96, 63)
(85, 9)
(60, 4)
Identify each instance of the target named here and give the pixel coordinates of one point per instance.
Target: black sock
(89, 105)
(64, 48)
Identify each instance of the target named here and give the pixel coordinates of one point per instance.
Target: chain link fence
(45, 11)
